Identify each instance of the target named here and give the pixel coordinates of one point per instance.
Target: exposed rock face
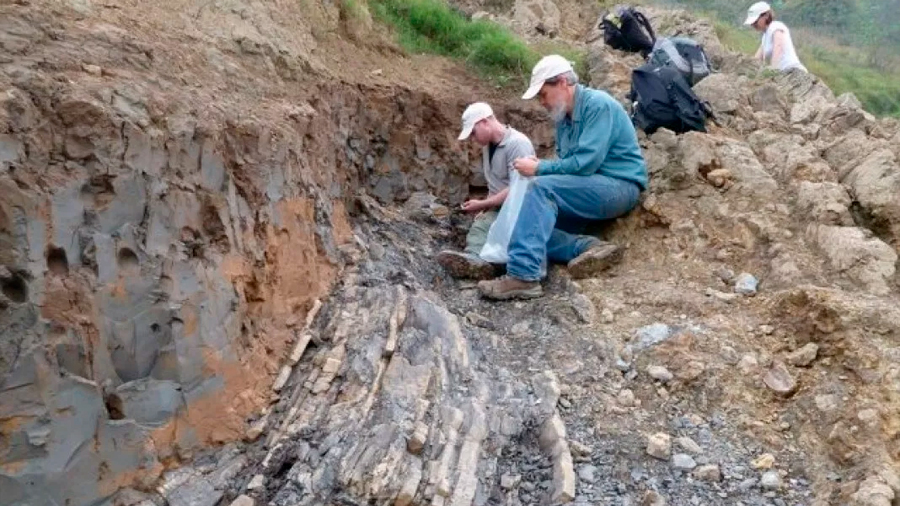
(854, 252)
(218, 226)
(159, 246)
(875, 184)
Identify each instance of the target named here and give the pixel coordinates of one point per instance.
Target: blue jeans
(552, 204)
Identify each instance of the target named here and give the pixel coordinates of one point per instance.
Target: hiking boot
(505, 288)
(465, 265)
(595, 259)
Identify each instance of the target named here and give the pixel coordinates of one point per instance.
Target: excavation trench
(159, 263)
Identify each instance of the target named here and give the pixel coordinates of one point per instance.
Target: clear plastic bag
(495, 248)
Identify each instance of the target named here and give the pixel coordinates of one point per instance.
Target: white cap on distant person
(473, 114)
(755, 11)
(548, 68)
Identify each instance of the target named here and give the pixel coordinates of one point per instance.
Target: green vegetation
(878, 91)
(432, 26)
(858, 51)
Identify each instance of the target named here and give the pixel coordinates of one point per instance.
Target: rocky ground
(218, 224)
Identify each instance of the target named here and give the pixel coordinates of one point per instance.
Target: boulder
(536, 17)
(725, 92)
(875, 184)
(845, 153)
(854, 252)
(825, 203)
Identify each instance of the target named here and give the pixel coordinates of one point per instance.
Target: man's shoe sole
(595, 260)
(461, 267)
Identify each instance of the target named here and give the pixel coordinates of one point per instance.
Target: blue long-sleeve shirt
(598, 137)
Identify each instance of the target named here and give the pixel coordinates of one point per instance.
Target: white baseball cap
(755, 11)
(473, 114)
(548, 68)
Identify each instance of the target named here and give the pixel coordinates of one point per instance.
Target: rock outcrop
(217, 225)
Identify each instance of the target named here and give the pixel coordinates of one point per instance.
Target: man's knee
(541, 186)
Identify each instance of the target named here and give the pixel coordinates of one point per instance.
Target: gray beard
(558, 113)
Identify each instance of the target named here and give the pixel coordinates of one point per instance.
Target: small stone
(725, 274)
(652, 335)
(719, 177)
(747, 484)
(624, 358)
(689, 445)
(607, 316)
(724, 297)
(659, 445)
(583, 308)
(479, 320)
(683, 461)
(38, 436)
(708, 472)
(546, 388)
(691, 370)
(257, 482)
(579, 449)
(283, 376)
(510, 481)
(586, 473)
(93, 70)
(767, 329)
(243, 500)
(826, 403)
(770, 480)
(804, 356)
(552, 431)
(748, 364)
(779, 380)
(869, 417)
(626, 398)
(520, 328)
(563, 484)
(653, 498)
(873, 491)
(256, 429)
(660, 373)
(764, 461)
(745, 284)
(416, 441)
(729, 355)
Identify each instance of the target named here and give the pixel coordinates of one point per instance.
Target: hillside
(852, 45)
(219, 219)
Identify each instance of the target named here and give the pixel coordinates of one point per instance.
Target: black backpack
(662, 98)
(628, 30)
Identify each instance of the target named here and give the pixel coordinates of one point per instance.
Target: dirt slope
(182, 181)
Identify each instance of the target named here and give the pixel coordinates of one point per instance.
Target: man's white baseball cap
(548, 68)
(473, 114)
(755, 11)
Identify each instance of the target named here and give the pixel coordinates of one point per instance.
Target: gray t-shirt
(496, 170)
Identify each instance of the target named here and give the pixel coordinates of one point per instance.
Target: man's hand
(475, 205)
(526, 166)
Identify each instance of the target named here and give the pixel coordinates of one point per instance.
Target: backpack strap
(646, 24)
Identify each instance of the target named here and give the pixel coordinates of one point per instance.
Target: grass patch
(736, 38)
(879, 92)
(432, 26)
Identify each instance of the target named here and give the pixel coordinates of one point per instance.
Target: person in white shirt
(777, 48)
